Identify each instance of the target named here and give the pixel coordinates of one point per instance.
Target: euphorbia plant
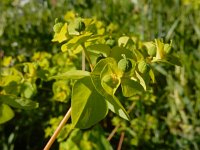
(125, 66)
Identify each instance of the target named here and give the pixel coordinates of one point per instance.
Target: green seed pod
(57, 27)
(100, 57)
(79, 26)
(124, 64)
(143, 67)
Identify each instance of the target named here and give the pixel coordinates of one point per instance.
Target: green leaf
(122, 41)
(109, 80)
(72, 26)
(160, 49)
(28, 89)
(130, 87)
(151, 48)
(62, 35)
(88, 106)
(152, 76)
(73, 74)
(116, 53)
(170, 59)
(173, 60)
(10, 75)
(113, 103)
(18, 102)
(75, 42)
(99, 48)
(143, 79)
(6, 113)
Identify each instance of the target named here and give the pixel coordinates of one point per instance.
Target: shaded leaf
(116, 53)
(173, 60)
(99, 48)
(130, 87)
(18, 102)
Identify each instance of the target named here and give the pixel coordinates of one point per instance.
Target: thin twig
(113, 132)
(55, 134)
(121, 141)
(116, 128)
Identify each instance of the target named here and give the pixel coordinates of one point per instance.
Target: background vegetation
(166, 117)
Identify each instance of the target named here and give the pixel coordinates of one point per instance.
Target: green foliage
(124, 64)
(106, 76)
(161, 116)
(79, 26)
(88, 106)
(57, 27)
(6, 113)
(143, 67)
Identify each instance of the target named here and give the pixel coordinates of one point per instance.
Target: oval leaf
(18, 102)
(88, 106)
(72, 74)
(6, 113)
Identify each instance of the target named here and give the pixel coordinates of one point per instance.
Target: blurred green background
(167, 117)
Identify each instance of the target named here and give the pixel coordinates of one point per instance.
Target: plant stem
(113, 132)
(68, 114)
(120, 141)
(55, 134)
(87, 56)
(83, 60)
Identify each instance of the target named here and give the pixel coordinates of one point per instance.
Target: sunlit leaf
(88, 106)
(113, 103)
(160, 49)
(141, 80)
(109, 80)
(28, 90)
(6, 113)
(122, 41)
(72, 74)
(62, 35)
(75, 42)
